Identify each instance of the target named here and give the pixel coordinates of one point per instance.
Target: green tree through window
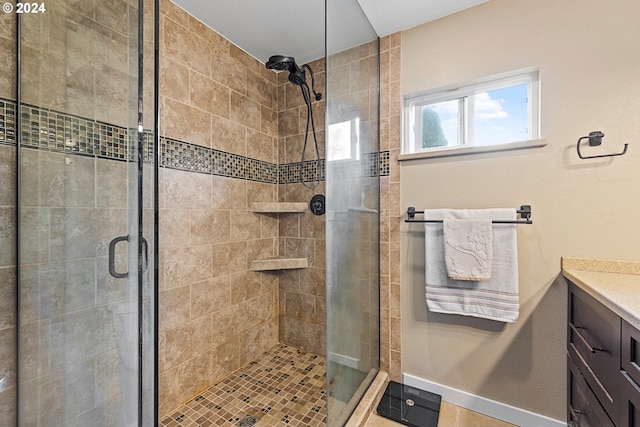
(432, 134)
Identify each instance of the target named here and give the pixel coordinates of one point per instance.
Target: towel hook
(595, 139)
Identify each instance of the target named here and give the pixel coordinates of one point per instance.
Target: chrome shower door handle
(112, 257)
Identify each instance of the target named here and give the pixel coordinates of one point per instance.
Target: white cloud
(488, 108)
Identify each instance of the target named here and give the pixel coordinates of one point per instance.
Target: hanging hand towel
(467, 248)
(496, 299)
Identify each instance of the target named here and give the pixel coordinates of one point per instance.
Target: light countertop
(616, 284)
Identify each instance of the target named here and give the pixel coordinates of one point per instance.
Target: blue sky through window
(501, 115)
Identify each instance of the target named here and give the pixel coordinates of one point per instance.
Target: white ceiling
(296, 27)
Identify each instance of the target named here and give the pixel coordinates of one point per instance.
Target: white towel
(467, 248)
(496, 299)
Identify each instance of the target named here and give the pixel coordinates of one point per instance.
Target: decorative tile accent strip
(7, 122)
(49, 130)
(385, 158)
(181, 155)
(53, 131)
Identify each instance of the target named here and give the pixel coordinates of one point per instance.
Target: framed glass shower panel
(85, 281)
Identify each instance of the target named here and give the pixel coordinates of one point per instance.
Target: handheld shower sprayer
(297, 77)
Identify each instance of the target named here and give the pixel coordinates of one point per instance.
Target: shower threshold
(284, 387)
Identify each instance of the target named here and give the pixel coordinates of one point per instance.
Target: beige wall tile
(7, 297)
(208, 95)
(184, 266)
(228, 136)
(195, 374)
(229, 193)
(8, 355)
(169, 390)
(186, 123)
(261, 90)
(186, 190)
(228, 71)
(210, 296)
(225, 359)
(229, 258)
(210, 226)
(268, 121)
(244, 226)
(7, 175)
(185, 47)
(244, 286)
(260, 146)
(186, 340)
(288, 123)
(245, 111)
(7, 50)
(174, 304)
(8, 236)
(174, 228)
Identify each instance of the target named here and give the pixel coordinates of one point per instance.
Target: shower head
(280, 63)
(297, 75)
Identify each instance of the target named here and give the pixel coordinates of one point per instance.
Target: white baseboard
(491, 408)
(351, 362)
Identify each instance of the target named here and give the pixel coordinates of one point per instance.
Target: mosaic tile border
(50, 130)
(7, 122)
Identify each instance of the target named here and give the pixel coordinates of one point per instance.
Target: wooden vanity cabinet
(584, 410)
(594, 346)
(630, 377)
(603, 367)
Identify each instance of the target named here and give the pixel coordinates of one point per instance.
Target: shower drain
(247, 421)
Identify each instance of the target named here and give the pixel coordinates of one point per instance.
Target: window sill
(462, 151)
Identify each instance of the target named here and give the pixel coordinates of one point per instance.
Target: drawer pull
(583, 339)
(574, 412)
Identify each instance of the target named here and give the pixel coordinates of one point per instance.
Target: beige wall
(588, 64)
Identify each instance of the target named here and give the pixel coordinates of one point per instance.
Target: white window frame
(413, 103)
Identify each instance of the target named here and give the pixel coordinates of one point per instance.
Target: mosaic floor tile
(285, 387)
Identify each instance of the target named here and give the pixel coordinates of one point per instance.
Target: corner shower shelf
(281, 207)
(278, 263)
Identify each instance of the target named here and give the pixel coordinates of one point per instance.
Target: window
(491, 112)
(343, 141)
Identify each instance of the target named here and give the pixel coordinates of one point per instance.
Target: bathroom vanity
(603, 343)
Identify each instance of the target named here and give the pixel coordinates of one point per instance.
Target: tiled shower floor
(285, 387)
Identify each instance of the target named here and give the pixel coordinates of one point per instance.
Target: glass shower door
(85, 279)
(353, 203)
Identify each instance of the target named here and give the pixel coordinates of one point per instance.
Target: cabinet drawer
(594, 345)
(631, 351)
(584, 409)
(629, 402)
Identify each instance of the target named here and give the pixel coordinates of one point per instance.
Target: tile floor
(286, 387)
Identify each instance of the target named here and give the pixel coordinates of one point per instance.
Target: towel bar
(524, 211)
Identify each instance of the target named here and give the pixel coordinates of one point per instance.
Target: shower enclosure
(100, 340)
(84, 135)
